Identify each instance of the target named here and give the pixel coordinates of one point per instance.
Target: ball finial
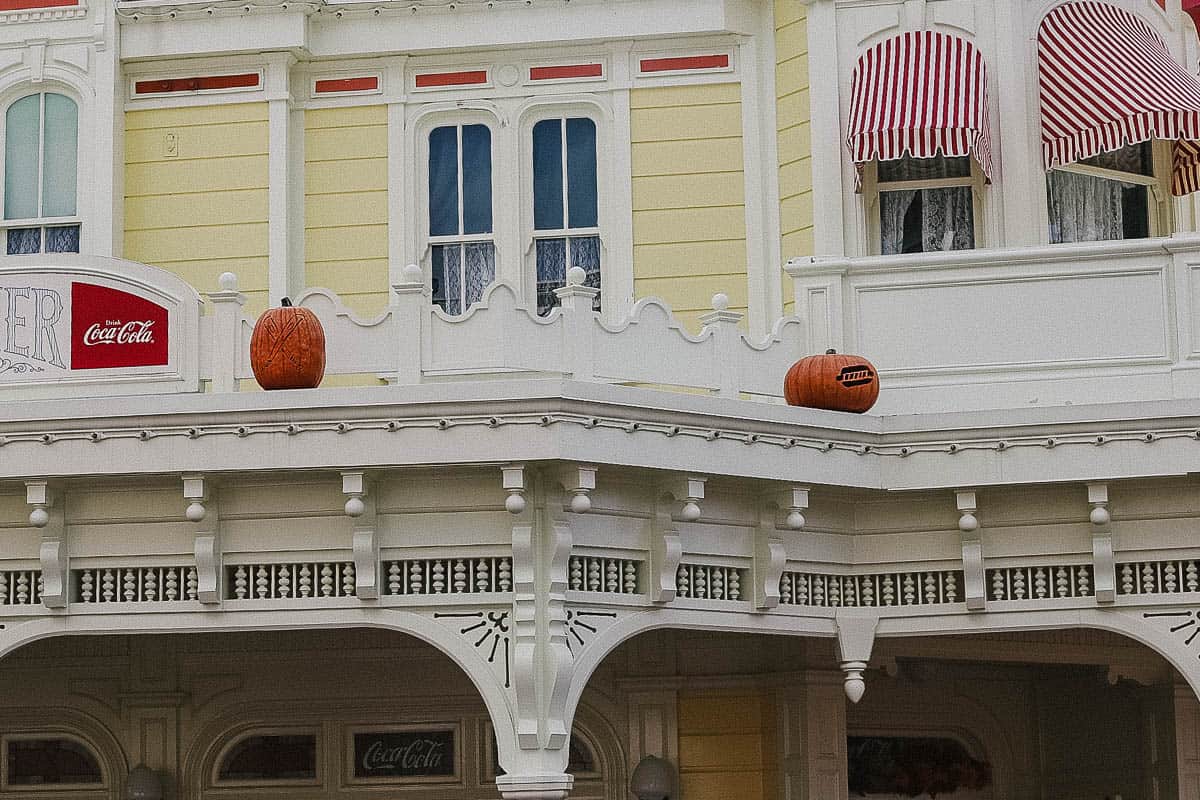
(195, 512)
(514, 503)
(39, 518)
(968, 523)
(720, 301)
(355, 507)
(581, 503)
(1100, 516)
(690, 511)
(576, 276)
(228, 282)
(413, 274)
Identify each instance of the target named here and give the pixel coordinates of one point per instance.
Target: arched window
(461, 238)
(270, 758)
(565, 205)
(32, 761)
(41, 133)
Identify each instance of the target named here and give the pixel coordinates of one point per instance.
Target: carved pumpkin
(832, 381)
(287, 348)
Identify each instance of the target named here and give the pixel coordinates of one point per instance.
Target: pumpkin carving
(832, 381)
(287, 348)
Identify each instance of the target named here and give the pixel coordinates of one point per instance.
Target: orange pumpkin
(832, 381)
(287, 348)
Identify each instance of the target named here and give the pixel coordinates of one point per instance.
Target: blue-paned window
(565, 205)
(41, 135)
(462, 245)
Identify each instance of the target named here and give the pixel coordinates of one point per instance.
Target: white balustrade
(607, 575)
(916, 588)
(426, 576)
(134, 585)
(302, 581)
(1158, 577)
(414, 341)
(708, 582)
(20, 587)
(1040, 582)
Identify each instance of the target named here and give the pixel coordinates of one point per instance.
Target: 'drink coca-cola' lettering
(111, 328)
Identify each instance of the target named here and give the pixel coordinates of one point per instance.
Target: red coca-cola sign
(111, 328)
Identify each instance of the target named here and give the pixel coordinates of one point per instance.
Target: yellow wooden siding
(727, 746)
(204, 210)
(689, 217)
(346, 204)
(795, 153)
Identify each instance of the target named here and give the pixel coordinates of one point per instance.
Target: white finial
(576, 276)
(720, 301)
(227, 282)
(39, 517)
(413, 274)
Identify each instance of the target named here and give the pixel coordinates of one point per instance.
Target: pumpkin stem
(285, 303)
(828, 352)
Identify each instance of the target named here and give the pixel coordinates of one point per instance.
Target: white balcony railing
(993, 329)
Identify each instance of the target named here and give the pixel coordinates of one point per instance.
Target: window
(270, 758)
(1111, 196)
(926, 205)
(565, 206)
(40, 161)
(912, 766)
(53, 762)
(462, 244)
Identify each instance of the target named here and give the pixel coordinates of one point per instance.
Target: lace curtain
(1084, 208)
(926, 220)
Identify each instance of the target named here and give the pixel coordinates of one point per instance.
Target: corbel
(206, 539)
(665, 547)
(769, 554)
(689, 489)
(855, 639)
(360, 508)
(48, 517)
(36, 60)
(513, 481)
(1104, 568)
(974, 580)
(580, 481)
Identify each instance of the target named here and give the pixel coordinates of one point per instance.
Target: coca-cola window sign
(401, 755)
(93, 326)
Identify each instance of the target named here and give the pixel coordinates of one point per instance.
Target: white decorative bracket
(689, 489)
(666, 551)
(580, 481)
(855, 639)
(360, 507)
(202, 512)
(974, 580)
(514, 484)
(769, 554)
(1104, 568)
(47, 516)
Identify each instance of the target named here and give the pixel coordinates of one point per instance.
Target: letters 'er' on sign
(78, 325)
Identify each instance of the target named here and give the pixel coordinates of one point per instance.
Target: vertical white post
(578, 327)
(227, 356)
(725, 337)
(285, 259)
(410, 304)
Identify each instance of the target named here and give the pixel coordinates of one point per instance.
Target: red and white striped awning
(1107, 81)
(920, 94)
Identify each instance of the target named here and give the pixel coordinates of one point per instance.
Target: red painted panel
(111, 328)
(683, 63)
(468, 78)
(566, 71)
(17, 5)
(197, 84)
(330, 85)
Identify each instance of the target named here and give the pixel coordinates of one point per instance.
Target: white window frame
(562, 110)
(1161, 221)
(872, 187)
(41, 221)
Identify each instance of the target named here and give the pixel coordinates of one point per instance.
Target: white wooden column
(285, 251)
(812, 738)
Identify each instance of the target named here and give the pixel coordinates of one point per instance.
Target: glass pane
(1135, 158)
(1084, 208)
(924, 169)
(477, 179)
(551, 272)
(547, 175)
(271, 758)
(480, 269)
(36, 762)
(59, 157)
(443, 182)
(22, 241)
(581, 173)
(926, 220)
(447, 267)
(21, 158)
(585, 253)
(912, 767)
(62, 239)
